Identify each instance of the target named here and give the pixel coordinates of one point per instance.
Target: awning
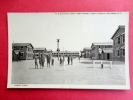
(107, 51)
(123, 33)
(123, 47)
(16, 51)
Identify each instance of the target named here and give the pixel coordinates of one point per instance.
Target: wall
(116, 46)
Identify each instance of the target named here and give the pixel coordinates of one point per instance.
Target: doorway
(108, 56)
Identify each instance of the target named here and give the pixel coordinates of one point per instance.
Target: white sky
(75, 31)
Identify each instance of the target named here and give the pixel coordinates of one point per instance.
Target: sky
(75, 30)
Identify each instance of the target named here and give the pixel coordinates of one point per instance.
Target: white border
(50, 86)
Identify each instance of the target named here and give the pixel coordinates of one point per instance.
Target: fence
(102, 63)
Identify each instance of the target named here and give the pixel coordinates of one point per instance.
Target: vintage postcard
(70, 50)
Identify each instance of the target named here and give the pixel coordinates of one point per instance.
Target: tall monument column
(58, 49)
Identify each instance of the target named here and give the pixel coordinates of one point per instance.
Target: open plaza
(82, 72)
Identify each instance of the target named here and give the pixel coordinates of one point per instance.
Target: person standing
(71, 59)
(48, 60)
(43, 60)
(36, 64)
(40, 61)
(52, 61)
(60, 60)
(68, 59)
(79, 58)
(63, 59)
(19, 56)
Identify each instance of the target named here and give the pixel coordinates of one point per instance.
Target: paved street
(24, 72)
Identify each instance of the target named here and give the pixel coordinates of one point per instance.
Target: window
(114, 42)
(114, 53)
(93, 48)
(123, 52)
(15, 48)
(21, 48)
(28, 49)
(118, 53)
(18, 48)
(123, 40)
(118, 40)
(22, 54)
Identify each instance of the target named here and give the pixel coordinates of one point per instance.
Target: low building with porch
(98, 48)
(87, 51)
(22, 51)
(82, 53)
(65, 53)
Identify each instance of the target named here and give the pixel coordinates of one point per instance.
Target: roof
(40, 48)
(87, 48)
(103, 43)
(119, 27)
(49, 50)
(22, 44)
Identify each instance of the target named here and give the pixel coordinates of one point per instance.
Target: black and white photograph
(69, 50)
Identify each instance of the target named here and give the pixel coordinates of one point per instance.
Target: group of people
(50, 60)
(42, 61)
(62, 60)
(70, 59)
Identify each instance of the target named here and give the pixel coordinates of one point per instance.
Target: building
(82, 53)
(119, 44)
(87, 52)
(23, 51)
(38, 51)
(98, 48)
(65, 53)
(49, 51)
